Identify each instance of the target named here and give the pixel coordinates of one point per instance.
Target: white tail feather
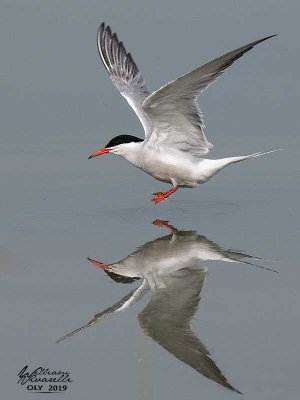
(254, 155)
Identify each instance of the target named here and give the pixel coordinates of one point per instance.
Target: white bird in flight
(174, 140)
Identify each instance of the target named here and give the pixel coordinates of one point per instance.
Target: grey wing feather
(167, 318)
(176, 116)
(124, 73)
(127, 301)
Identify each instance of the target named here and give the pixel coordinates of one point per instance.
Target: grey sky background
(57, 105)
(57, 96)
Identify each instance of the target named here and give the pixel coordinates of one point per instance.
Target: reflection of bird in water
(156, 259)
(170, 267)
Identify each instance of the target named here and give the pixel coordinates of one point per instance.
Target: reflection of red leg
(165, 224)
(98, 263)
(163, 195)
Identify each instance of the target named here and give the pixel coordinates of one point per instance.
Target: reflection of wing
(121, 305)
(166, 319)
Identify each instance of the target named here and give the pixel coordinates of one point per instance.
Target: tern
(170, 253)
(174, 140)
(171, 267)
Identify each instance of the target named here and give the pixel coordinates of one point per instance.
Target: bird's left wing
(177, 118)
(121, 305)
(124, 73)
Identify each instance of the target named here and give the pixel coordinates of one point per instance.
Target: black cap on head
(122, 139)
(119, 278)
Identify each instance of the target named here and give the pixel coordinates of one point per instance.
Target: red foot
(164, 224)
(163, 195)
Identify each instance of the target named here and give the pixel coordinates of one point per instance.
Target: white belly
(171, 169)
(175, 167)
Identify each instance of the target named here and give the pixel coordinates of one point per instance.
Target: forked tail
(242, 158)
(212, 167)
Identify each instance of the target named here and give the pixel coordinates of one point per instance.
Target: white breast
(169, 166)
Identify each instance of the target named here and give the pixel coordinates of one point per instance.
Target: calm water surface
(189, 314)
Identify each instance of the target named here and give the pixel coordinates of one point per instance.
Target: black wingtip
(101, 29)
(267, 37)
(108, 30)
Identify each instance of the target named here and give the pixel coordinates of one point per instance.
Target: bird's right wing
(124, 73)
(167, 317)
(177, 118)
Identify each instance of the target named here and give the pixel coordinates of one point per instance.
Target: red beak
(99, 153)
(98, 264)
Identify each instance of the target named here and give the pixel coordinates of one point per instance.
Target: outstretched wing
(167, 317)
(127, 301)
(124, 73)
(176, 116)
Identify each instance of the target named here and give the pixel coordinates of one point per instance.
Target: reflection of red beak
(99, 153)
(98, 264)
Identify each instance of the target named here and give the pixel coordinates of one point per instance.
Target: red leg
(163, 195)
(165, 224)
